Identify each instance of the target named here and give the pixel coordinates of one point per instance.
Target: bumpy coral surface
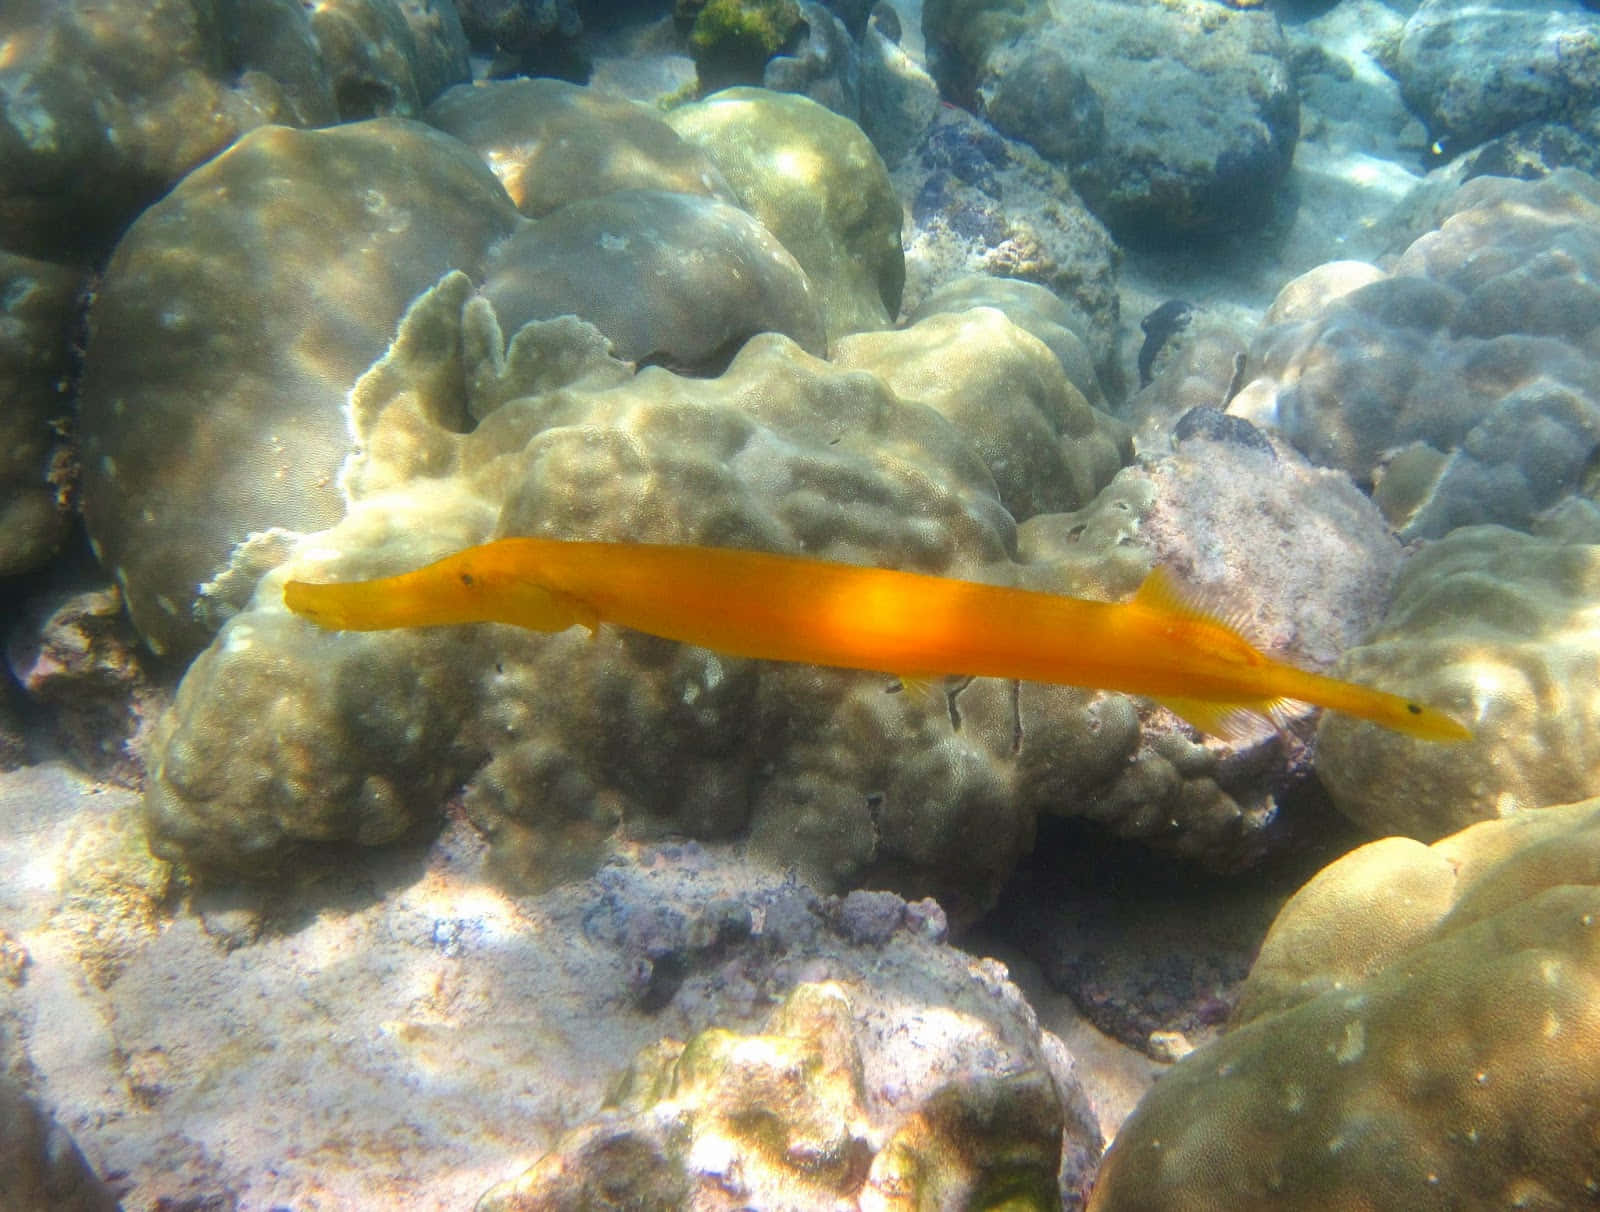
(1493, 625)
(1419, 1032)
(672, 278)
(231, 322)
(818, 185)
(1465, 382)
(1047, 449)
(568, 736)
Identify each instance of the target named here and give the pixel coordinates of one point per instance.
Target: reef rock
(1177, 118)
(1474, 71)
(442, 1035)
(1418, 1031)
(832, 1099)
(987, 211)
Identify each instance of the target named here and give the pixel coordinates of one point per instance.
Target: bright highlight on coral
(790, 608)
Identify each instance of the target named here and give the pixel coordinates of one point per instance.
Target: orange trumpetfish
(790, 608)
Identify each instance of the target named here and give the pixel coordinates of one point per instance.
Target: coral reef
(565, 744)
(1418, 1032)
(1465, 381)
(1490, 624)
(551, 143)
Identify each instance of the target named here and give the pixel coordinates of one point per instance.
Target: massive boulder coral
(1490, 624)
(817, 184)
(561, 739)
(551, 142)
(1465, 381)
(1419, 1031)
(1178, 118)
(230, 324)
(677, 279)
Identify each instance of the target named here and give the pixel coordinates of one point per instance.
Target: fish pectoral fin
(1236, 723)
(541, 608)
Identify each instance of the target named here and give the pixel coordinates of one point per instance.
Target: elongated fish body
(790, 608)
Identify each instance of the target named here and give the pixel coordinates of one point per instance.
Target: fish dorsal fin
(1162, 591)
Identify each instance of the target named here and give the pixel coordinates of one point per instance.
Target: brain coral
(231, 322)
(1419, 1032)
(1496, 626)
(1464, 383)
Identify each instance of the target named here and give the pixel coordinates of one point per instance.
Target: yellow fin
(922, 687)
(1236, 723)
(1162, 591)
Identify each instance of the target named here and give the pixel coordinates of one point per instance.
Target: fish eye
(1413, 709)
